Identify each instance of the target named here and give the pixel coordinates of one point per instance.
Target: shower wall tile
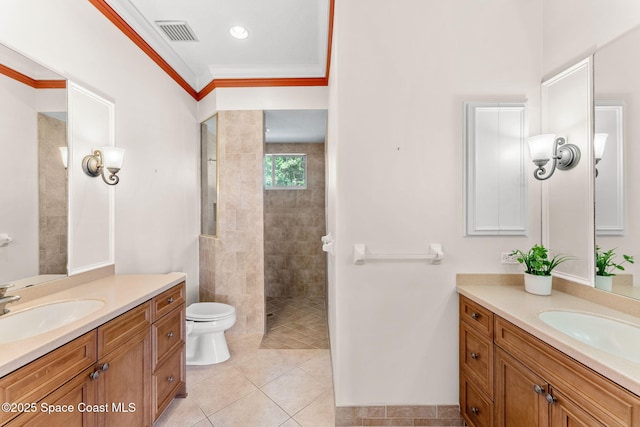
(237, 265)
(294, 222)
(52, 182)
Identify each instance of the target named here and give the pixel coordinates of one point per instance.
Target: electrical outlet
(507, 258)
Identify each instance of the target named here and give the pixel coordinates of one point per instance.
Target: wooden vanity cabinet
(534, 384)
(39, 383)
(124, 373)
(169, 354)
(476, 363)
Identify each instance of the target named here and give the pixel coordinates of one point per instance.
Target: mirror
(209, 175)
(33, 211)
(617, 196)
(567, 202)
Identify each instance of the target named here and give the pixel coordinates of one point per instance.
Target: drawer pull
(104, 366)
(475, 356)
(170, 300)
(170, 334)
(475, 315)
(170, 379)
(94, 375)
(538, 389)
(550, 399)
(475, 410)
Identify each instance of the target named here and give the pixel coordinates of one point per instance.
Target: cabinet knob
(475, 410)
(104, 366)
(170, 379)
(550, 399)
(94, 375)
(475, 315)
(170, 334)
(170, 300)
(538, 389)
(474, 356)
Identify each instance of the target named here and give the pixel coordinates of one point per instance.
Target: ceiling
(287, 38)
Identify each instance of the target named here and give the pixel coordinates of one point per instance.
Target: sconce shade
(64, 154)
(599, 142)
(112, 157)
(541, 147)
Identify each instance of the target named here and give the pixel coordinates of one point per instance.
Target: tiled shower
(295, 265)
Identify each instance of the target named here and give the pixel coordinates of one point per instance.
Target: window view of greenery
(285, 171)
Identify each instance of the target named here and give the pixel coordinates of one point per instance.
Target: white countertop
(120, 293)
(521, 308)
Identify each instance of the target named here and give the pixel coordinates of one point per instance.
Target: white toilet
(206, 323)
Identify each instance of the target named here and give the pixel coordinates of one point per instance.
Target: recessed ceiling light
(239, 32)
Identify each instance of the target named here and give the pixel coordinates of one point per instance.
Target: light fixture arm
(566, 156)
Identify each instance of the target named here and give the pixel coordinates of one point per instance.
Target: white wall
(157, 216)
(574, 29)
(262, 98)
(402, 72)
(19, 178)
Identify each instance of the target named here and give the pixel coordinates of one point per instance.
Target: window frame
(273, 172)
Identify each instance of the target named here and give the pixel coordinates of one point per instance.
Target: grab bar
(361, 255)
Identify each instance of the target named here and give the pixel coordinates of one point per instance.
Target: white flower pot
(538, 285)
(604, 282)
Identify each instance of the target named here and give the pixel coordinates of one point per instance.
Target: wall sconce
(64, 155)
(543, 148)
(599, 142)
(109, 158)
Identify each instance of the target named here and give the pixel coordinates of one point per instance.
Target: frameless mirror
(567, 202)
(33, 212)
(209, 175)
(617, 196)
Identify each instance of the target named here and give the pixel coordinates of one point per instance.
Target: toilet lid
(209, 310)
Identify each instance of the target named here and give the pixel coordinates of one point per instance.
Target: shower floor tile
(296, 323)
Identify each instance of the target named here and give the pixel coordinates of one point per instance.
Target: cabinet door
(565, 413)
(125, 383)
(519, 398)
(69, 406)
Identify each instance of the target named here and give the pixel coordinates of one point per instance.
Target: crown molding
(36, 84)
(112, 15)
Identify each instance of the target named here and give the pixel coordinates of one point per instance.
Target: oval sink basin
(613, 336)
(44, 318)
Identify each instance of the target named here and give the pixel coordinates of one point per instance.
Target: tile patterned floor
(296, 323)
(257, 387)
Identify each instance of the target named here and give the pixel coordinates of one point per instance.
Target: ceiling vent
(177, 31)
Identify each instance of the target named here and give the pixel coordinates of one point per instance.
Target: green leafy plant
(605, 263)
(537, 261)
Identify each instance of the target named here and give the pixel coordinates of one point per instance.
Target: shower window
(285, 171)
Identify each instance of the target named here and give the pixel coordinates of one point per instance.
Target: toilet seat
(209, 311)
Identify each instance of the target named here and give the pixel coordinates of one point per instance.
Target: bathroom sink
(613, 336)
(44, 318)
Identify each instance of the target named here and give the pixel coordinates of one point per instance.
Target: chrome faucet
(7, 300)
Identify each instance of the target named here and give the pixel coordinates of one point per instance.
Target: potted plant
(605, 267)
(537, 275)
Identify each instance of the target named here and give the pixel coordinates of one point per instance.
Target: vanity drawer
(119, 331)
(35, 381)
(476, 358)
(168, 300)
(476, 409)
(476, 316)
(168, 334)
(167, 379)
